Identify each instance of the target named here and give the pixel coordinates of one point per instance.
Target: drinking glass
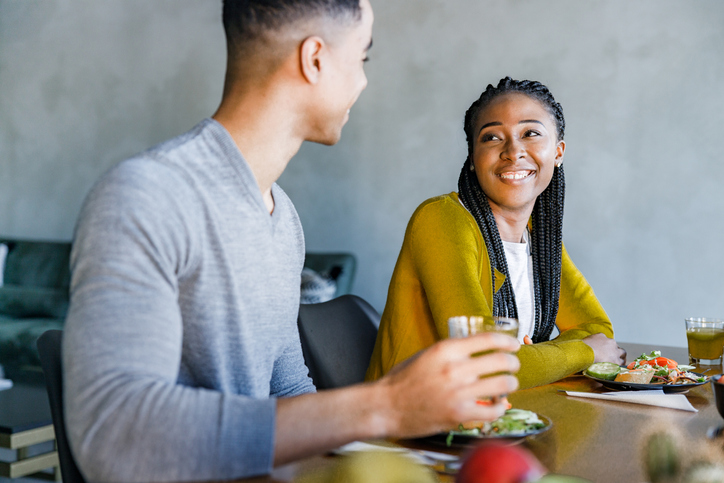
(463, 326)
(706, 340)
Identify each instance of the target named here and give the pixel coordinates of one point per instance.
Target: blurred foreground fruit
(498, 463)
(371, 467)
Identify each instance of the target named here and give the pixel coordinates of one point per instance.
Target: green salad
(515, 422)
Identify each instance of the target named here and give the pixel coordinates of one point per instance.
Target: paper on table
(654, 397)
(420, 456)
(5, 384)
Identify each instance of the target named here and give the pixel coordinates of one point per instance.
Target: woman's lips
(516, 175)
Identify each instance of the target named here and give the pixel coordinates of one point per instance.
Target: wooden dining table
(597, 440)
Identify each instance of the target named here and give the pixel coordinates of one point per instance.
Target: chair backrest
(51, 361)
(337, 340)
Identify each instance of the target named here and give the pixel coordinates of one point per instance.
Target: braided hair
(547, 218)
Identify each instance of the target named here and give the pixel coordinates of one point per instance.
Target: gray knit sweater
(182, 324)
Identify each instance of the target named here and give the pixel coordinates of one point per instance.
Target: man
(181, 353)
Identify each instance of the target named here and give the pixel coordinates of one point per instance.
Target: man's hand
(605, 349)
(432, 392)
(440, 388)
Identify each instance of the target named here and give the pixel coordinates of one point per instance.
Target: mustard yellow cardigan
(443, 270)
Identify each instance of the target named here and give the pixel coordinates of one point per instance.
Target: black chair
(337, 340)
(52, 364)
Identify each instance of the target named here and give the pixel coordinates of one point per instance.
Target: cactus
(662, 458)
(671, 457)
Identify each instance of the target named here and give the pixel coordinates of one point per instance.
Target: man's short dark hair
(248, 20)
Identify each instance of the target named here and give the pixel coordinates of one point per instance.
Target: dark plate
(631, 386)
(460, 440)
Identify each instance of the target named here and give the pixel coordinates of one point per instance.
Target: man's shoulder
(139, 177)
(157, 167)
(191, 143)
(154, 180)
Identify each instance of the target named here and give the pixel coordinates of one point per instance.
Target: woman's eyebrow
(496, 123)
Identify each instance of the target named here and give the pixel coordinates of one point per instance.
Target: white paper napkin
(655, 397)
(418, 455)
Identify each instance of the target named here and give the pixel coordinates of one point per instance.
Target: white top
(520, 269)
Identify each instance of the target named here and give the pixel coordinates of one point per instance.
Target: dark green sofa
(33, 297)
(34, 294)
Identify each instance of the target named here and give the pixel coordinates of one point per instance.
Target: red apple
(499, 463)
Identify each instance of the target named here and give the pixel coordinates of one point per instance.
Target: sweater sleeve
(580, 314)
(454, 270)
(291, 375)
(127, 418)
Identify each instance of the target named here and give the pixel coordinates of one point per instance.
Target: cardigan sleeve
(453, 267)
(580, 314)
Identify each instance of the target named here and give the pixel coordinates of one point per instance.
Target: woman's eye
(531, 133)
(489, 137)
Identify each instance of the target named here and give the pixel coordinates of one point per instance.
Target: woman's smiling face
(514, 152)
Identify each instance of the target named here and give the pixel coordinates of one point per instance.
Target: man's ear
(310, 53)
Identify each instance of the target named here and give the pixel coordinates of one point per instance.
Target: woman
(494, 248)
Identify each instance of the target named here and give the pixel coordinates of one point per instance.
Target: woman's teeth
(515, 174)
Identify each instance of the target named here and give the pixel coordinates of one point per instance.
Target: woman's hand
(605, 349)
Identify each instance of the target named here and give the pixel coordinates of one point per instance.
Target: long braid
(474, 199)
(547, 217)
(546, 240)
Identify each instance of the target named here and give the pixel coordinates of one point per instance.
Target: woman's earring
(472, 167)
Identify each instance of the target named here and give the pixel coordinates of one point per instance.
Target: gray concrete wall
(84, 84)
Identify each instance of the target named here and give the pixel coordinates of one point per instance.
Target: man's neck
(264, 133)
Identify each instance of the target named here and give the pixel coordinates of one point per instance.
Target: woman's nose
(512, 150)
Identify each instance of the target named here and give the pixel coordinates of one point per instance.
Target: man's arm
(434, 392)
